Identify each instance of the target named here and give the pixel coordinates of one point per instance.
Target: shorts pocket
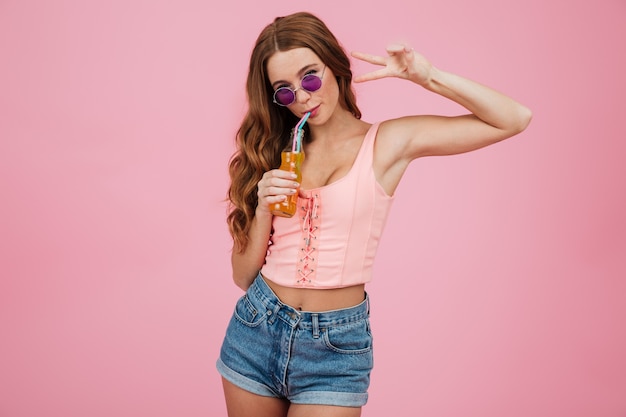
(353, 338)
(247, 313)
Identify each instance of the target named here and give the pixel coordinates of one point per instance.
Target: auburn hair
(265, 129)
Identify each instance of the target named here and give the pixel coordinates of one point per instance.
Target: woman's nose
(304, 95)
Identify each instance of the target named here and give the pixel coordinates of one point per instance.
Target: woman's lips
(313, 111)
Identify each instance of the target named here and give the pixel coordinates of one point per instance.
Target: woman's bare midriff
(309, 299)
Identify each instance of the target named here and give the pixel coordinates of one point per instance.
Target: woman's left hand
(402, 62)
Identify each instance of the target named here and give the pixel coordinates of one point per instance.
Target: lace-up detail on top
(310, 216)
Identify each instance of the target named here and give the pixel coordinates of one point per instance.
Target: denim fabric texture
(274, 350)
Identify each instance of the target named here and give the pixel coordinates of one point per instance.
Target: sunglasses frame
(293, 91)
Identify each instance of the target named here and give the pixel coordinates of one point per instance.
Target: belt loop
(316, 326)
(367, 301)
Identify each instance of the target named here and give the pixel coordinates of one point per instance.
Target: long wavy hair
(265, 128)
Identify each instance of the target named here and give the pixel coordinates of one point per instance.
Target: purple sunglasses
(284, 96)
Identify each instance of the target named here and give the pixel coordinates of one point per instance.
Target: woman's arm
(494, 116)
(246, 262)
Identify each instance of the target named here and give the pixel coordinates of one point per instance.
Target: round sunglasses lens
(311, 82)
(284, 96)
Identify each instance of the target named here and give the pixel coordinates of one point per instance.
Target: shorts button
(269, 312)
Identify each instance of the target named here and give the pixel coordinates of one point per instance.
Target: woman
(299, 342)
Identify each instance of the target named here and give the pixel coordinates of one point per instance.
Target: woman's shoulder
(390, 150)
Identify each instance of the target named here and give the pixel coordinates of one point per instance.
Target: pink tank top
(332, 240)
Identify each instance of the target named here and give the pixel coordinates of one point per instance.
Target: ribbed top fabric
(332, 240)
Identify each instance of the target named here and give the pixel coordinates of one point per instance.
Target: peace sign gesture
(402, 62)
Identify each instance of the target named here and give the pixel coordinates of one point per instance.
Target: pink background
(500, 283)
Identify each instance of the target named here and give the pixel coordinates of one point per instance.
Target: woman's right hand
(274, 187)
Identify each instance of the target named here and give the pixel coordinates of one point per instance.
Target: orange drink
(292, 162)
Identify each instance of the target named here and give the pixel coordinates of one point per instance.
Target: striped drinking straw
(297, 142)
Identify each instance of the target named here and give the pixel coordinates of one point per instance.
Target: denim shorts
(274, 350)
